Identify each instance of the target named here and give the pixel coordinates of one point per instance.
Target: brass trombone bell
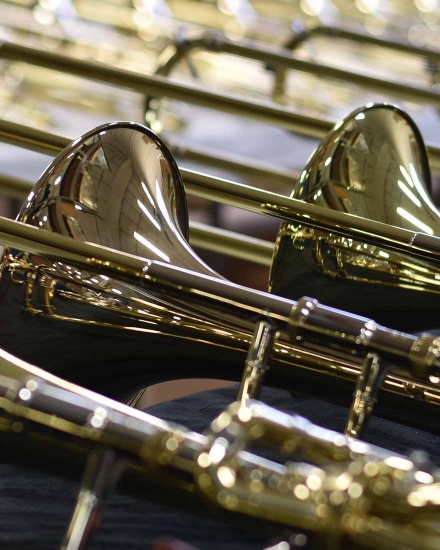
(61, 297)
(373, 164)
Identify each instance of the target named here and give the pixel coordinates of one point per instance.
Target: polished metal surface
(334, 486)
(373, 164)
(217, 189)
(133, 294)
(120, 188)
(158, 86)
(99, 285)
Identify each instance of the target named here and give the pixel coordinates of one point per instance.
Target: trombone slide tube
(262, 202)
(212, 314)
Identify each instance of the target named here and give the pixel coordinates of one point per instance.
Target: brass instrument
(163, 294)
(354, 492)
(100, 257)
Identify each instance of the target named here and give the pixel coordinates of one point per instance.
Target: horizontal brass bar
(361, 38)
(235, 163)
(279, 206)
(230, 243)
(203, 236)
(282, 58)
(162, 87)
(14, 188)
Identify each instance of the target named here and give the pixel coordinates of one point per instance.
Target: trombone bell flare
(372, 164)
(116, 333)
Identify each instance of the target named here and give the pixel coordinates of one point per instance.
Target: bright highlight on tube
(149, 216)
(412, 219)
(409, 193)
(151, 247)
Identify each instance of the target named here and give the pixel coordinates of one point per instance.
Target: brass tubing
(283, 59)
(135, 270)
(235, 163)
(230, 243)
(160, 86)
(203, 236)
(32, 139)
(14, 188)
(419, 245)
(362, 38)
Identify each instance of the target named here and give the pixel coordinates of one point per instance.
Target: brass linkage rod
(163, 87)
(361, 38)
(203, 236)
(234, 163)
(233, 244)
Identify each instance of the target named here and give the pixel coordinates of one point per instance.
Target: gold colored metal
(353, 490)
(162, 87)
(201, 235)
(374, 165)
(257, 362)
(146, 297)
(235, 163)
(282, 59)
(230, 243)
(420, 246)
(365, 395)
(329, 31)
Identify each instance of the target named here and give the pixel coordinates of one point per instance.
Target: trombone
(208, 309)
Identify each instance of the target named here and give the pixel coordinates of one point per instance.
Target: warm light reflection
(312, 7)
(163, 207)
(149, 197)
(427, 6)
(368, 6)
(421, 189)
(406, 175)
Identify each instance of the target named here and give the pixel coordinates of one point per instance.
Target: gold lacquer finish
(138, 293)
(346, 492)
(373, 164)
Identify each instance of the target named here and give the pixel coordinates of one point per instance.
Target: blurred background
(340, 54)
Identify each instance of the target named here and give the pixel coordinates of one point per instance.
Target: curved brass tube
(220, 466)
(304, 34)
(418, 245)
(373, 164)
(65, 292)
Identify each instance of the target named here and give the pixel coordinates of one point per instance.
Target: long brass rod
(361, 38)
(214, 42)
(235, 163)
(203, 236)
(161, 86)
(235, 245)
(418, 245)
(14, 188)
